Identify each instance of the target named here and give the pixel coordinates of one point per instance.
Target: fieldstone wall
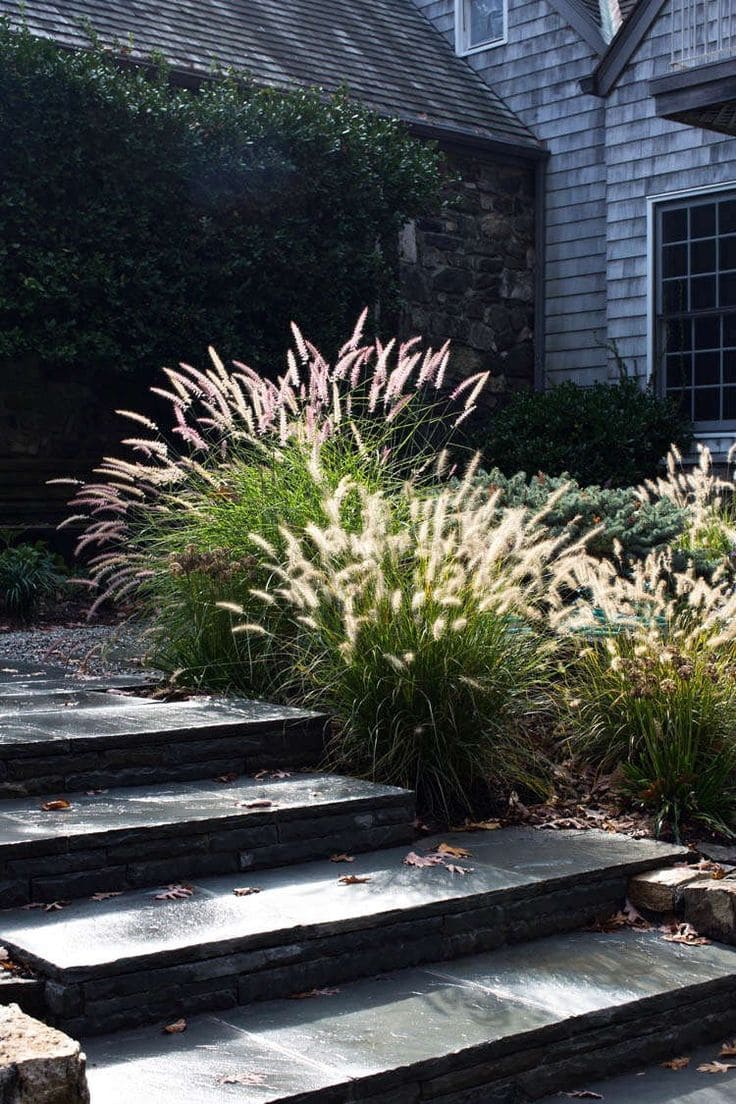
(468, 273)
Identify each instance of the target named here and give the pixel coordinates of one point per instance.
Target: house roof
(385, 51)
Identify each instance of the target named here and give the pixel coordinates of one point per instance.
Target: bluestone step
(146, 741)
(497, 1028)
(135, 959)
(657, 1084)
(136, 836)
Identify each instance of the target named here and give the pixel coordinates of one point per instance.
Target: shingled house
(635, 101)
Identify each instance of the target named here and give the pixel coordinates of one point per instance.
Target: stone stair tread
(21, 683)
(530, 1015)
(62, 699)
(655, 1085)
(128, 932)
(93, 725)
(98, 818)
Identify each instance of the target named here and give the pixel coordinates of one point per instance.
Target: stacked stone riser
(187, 754)
(83, 865)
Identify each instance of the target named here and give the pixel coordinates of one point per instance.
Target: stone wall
(468, 272)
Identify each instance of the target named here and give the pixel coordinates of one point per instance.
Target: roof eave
(482, 143)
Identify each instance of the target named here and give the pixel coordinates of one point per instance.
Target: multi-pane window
(696, 305)
(480, 23)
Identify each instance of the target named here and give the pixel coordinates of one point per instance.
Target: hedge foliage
(607, 434)
(140, 222)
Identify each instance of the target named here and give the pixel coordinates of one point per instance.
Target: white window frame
(714, 437)
(462, 46)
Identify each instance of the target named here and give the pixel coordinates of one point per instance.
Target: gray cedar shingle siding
(648, 156)
(386, 53)
(537, 74)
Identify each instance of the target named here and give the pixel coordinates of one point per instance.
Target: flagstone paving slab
(125, 719)
(121, 961)
(44, 681)
(137, 835)
(655, 1085)
(139, 741)
(416, 1033)
(23, 703)
(136, 926)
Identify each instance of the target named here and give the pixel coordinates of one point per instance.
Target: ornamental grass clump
(706, 500)
(423, 637)
(244, 454)
(650, 683)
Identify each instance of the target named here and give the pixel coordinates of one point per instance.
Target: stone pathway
(185, 869)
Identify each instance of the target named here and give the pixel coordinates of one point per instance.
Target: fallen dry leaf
(259, 803)
(353, 879)
(455, 869)
(277, 774)
(342, 858)
(634, 919)
(246, 891)
(56, 806)
(241, 1079)
(478, 826)
(226, 779)
(728, 1050)
(176, 1027)
(716, 1067)
(174, 892)
(628, 917)
(412, 859)
(106, 896)
(676, 1063)
(683, 933)
(314, 993)
(452, 851)
(50, 906)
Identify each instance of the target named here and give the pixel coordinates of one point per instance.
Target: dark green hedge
(140, 222)
(609, 434)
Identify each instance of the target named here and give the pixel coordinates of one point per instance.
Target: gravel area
(82, 649)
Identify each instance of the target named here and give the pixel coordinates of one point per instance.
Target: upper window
(696, 306)
(479, 24)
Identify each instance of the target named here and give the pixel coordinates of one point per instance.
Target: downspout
(540, 235)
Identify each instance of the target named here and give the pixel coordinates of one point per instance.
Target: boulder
(710, 906)
(661, 890)
(38, 1064)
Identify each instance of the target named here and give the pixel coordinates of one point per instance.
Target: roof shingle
(387, 53)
